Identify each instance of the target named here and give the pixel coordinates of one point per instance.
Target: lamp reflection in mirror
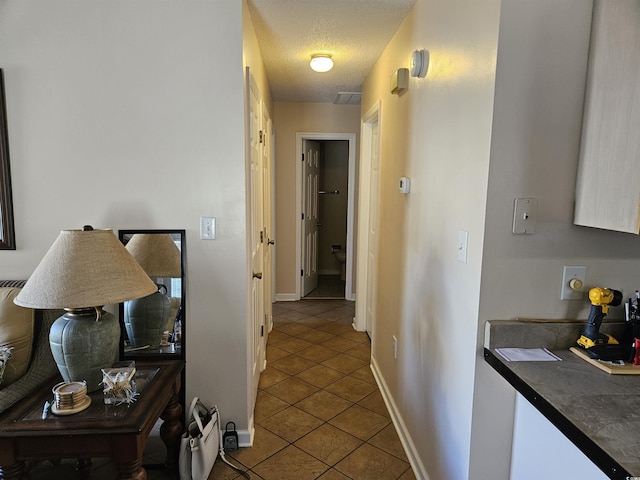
(83, 271)
(146, 318)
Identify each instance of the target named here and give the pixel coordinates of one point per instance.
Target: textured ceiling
(354, 32)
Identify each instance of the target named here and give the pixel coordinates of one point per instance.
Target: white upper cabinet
(608, 184)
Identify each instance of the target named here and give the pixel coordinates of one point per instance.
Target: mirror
(153, 326)
(7, 234)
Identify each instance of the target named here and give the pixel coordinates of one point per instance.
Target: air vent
(348, 98)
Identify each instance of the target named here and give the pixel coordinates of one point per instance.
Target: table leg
(131, 470)
(83, 467)
(10, 466)
(171, 430)
(13, 472)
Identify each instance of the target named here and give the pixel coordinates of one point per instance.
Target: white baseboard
(419, 470)
(355, 325)
(286, 297)
(245, 437)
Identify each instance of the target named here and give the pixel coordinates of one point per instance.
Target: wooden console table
(101, 430)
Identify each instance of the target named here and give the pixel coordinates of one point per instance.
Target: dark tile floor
(319, 413)
(329, 286)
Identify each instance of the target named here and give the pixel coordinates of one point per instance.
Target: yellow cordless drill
(597, 344)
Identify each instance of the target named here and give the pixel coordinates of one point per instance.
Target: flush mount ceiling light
(321, 62)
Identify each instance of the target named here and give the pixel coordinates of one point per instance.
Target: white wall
(469, 154)
(130, 115)
(290, 118)
(541, 68)
(438, 134)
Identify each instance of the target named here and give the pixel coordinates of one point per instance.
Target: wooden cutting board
(626, 369)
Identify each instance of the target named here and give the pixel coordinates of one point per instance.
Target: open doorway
(326, 210)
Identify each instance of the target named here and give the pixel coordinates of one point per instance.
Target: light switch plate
(525, 214)
(207, 228)
(463, 238)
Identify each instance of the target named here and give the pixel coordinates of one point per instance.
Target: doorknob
(271, 242)
(318, 224)
(257, 275)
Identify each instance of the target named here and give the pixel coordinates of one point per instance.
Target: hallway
(319, 413)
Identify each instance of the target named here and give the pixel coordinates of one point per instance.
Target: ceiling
(353, 32)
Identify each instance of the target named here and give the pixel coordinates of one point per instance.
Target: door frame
(351, 138)
(267, 218)
(364, 193)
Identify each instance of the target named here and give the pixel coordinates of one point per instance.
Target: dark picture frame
(7, 232)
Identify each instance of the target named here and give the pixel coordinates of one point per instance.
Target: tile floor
(319, 413)
(329, 286)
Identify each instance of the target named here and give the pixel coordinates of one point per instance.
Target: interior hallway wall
(119, 117)
(252, 60)
(498, 117)
(438, 134)
(541, 72)
(290, 118)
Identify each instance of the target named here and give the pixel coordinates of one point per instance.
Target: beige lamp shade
(157, 254)
(85, 268)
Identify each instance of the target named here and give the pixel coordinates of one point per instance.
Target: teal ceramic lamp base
(146, 318)
(83, 345)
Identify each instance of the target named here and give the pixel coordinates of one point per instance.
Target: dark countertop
(598, 412)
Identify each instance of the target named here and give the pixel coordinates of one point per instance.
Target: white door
(372, 243)
(256, 236)
(267, 182)
(310, 224)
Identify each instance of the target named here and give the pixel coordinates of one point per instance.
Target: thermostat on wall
(404, 185)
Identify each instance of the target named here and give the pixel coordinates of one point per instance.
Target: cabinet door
(540, 450)
(608, 185)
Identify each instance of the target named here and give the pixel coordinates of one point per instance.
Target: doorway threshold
(330, 287)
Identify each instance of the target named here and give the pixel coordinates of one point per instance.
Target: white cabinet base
(540, 450)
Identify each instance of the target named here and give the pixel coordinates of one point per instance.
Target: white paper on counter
(527, 355)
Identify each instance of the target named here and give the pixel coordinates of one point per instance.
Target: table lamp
(146, 318)
(83, 271)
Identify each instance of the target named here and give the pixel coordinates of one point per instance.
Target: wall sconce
(419, 63)
(321, 62)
